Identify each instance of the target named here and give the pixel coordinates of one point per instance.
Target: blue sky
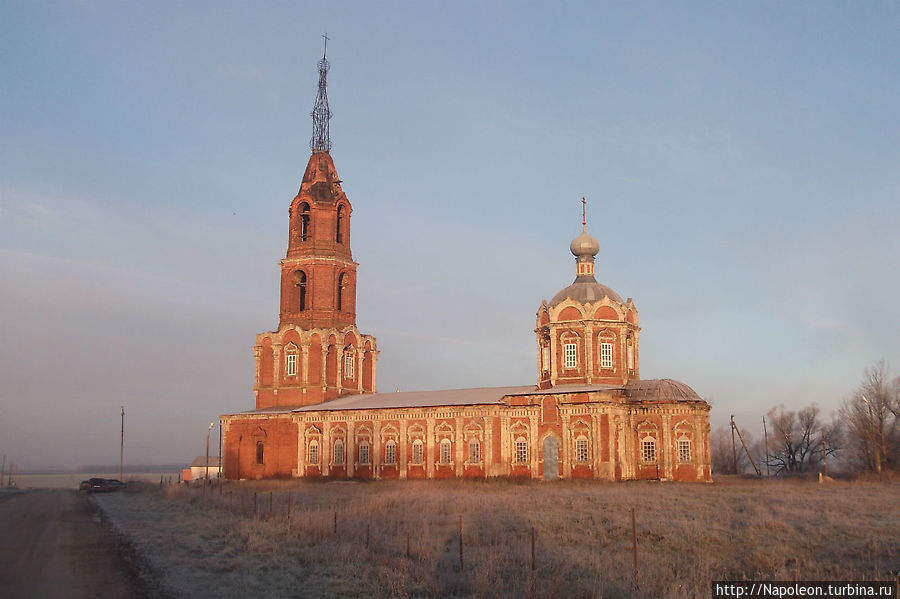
(740, 163)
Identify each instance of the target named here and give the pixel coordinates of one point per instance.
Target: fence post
(532, 549)
(335, 522)
(634, 545)
(460, 545)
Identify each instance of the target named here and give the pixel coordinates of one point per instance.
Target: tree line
(862, 434)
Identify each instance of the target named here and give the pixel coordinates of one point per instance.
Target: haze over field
(740, 165)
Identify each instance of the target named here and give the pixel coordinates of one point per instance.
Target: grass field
(344, 539)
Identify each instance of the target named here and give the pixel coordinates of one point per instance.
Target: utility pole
(209, 430)
(733, 446)
(743, 444)
(122, 445)
(219, 473)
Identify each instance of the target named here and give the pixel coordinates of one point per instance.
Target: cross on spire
(321, 114)
(583, 213)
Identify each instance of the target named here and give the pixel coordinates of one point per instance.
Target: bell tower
(317, 353)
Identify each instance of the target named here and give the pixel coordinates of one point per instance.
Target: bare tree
(796, 444)
(722, 453)
(871, 420)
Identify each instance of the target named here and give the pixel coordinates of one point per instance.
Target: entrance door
(551, 459)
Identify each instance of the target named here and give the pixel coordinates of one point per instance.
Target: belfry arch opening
(300, 280)
(339, 227)
(304, 221)
(342, 283)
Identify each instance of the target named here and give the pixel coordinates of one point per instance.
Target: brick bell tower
(317, 353)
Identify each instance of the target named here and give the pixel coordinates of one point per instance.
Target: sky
(740, 162)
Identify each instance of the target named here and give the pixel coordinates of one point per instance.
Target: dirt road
(53, 543)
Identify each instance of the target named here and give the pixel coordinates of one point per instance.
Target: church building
(318, 414)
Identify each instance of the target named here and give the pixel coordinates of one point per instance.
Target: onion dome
(584, 245)
(585, 288)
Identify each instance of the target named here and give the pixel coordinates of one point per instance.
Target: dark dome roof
(660, 390)
(585, 289)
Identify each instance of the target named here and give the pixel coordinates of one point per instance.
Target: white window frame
(648, 450)
(571, 354)
(474, 451)
(364, 452)
(446, 452)
(390, 453)
(338, 452)
(521, 450)
(606, 355)
(418, 451)
(349, 366)
(313, 456)
(581, 450)
(684, 451)
(291, 369)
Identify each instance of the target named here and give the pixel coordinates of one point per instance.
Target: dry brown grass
(687, 535)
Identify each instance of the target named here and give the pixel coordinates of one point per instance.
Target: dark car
(100, 485)
(115, 484)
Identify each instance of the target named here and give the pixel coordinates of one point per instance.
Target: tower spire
(321, 114)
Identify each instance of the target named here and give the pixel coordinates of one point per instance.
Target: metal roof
(419, 399)
(635, 390)
(660, 390)
(585, 289)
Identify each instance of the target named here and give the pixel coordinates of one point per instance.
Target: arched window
(304, 221)
(259, 452)
(339, 229)
(417, 451)
(338, 452)
(364, 452)
(300, 278)
(474, 451)
(446, 448)
(342, 282)
(390, 453)
(349, 365)
(313, 452)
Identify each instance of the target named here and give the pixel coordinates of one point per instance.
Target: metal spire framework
(321, 114)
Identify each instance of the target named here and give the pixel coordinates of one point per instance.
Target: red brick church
(317, 413)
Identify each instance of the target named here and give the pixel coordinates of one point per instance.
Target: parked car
(101, 485)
